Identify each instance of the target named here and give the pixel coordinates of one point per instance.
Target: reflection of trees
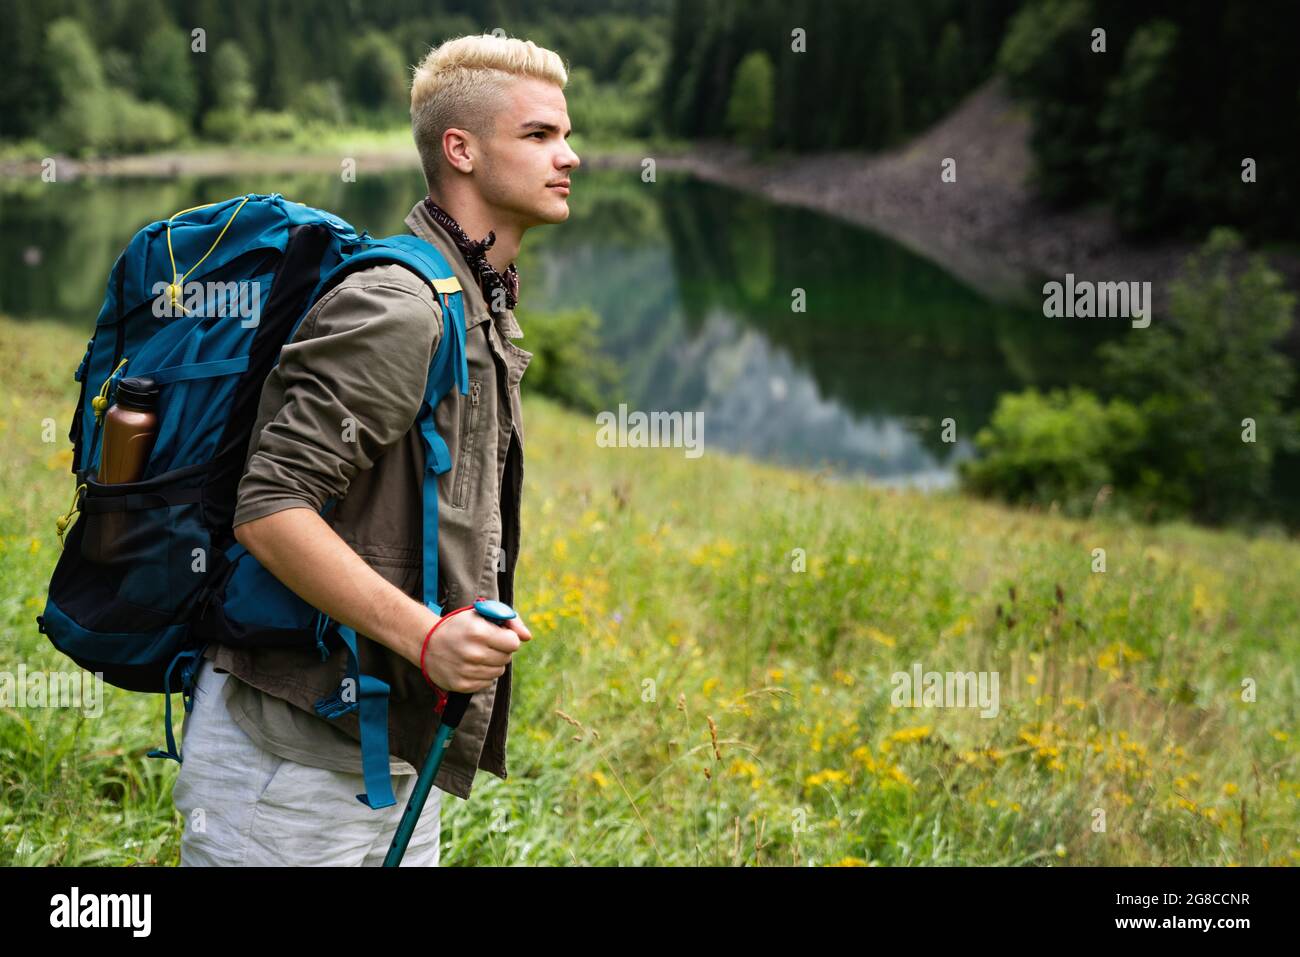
(752, 238)
(80, 227)
(884, 331)
(617, 207)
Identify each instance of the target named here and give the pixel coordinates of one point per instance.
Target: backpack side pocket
(132, 567)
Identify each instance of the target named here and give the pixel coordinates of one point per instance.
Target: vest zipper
(466, 441)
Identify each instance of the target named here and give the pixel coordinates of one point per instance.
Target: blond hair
(460, 84)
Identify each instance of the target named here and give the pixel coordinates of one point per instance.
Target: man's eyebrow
(541, 125)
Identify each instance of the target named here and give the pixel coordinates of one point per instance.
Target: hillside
(987, 228)
(716, 650)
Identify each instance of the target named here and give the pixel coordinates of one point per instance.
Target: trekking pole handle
(452, 712)
(457, 701)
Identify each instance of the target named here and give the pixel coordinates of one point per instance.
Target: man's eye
(538, 133)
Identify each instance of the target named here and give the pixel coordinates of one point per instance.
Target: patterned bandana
(475, 253)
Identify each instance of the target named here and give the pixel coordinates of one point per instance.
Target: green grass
(661, 594)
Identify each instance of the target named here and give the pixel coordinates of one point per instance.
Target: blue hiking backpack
(150, 572)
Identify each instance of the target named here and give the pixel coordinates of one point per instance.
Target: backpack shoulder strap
(449, 365)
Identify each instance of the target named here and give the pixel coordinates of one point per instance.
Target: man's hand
(468, 652)
(297, 546)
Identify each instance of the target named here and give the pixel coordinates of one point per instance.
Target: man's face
(527, 154)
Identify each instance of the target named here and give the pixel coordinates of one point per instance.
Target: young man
(264, 779)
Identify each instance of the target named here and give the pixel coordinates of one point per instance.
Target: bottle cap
(137, 392)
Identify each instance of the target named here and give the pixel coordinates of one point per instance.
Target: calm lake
(694, 285)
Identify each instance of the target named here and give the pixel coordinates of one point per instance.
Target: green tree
(1157, 125)
(321, 101)
(1200, 413)
(73, 62)
(233, 93)
(1204, 370)
(1047, 60)
(567, 363)
(749, 110)
(166, 72)
(882, 96)
(377, 74)
(1135, 164)
(232, 78)
(120, 71)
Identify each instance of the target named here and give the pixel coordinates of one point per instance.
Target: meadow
(711, 678)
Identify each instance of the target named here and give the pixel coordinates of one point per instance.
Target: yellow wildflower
(908, 735)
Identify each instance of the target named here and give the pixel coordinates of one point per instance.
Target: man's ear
(459, 149)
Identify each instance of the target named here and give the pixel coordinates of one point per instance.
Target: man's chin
(543, 214)
(554, 213)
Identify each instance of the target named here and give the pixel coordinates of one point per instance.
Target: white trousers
(244, 806)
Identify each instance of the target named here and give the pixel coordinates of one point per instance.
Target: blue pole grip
(498, 613)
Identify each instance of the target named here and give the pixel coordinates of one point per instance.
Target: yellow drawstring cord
(100, 402)
(174, 290)
(65, 520)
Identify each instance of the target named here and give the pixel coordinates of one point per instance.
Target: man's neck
(477, 219)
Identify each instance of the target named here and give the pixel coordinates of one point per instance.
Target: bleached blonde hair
(460, 83)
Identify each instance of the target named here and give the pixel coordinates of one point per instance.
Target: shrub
(602, 111)
(567, 364)
(1060, 447)
(377, 73)
(265, 126)
(112, 121)
(321, 101)
(232, 78)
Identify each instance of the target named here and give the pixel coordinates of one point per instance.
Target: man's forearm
(299, 548)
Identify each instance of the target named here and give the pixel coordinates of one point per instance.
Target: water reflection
(801, 340)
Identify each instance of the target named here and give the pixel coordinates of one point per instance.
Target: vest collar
(476, 310)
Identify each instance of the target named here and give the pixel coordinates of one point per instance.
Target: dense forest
(1162, 111)
(825, 74)
(1155, 116)
(258, 67)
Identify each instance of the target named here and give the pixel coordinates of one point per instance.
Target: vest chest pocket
(466, 446)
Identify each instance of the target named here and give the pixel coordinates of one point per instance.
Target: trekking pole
(452, 712)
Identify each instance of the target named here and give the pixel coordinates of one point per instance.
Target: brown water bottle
(130, 429)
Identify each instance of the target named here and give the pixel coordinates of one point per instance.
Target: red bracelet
(442, 695)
